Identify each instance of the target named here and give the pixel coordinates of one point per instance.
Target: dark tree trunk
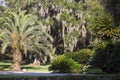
(37, 60)
(116, 20)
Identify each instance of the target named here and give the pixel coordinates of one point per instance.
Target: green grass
(35, 68)
(7, 65)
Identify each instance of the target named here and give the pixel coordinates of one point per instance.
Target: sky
(3, 3)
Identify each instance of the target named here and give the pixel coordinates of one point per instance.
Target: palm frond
(4, 46)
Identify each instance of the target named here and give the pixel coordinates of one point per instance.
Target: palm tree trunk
(17, 58)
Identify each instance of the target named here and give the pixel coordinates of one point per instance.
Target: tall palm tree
(21, 33)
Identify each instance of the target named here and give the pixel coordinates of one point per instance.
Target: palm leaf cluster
(104, 27)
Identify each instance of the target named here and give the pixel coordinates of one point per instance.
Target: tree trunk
(36, 61)
(17, 58)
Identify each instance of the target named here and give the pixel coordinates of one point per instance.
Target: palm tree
(21, 34)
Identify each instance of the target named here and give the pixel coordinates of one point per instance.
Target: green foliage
(107, 57)
(103, 27)
(17, 6)
(66, 4)
(64, 16)
(1, 8)
(15, 3)
(89, 69)
(113, 7)
(64, 64)
(44, 21)
(51, 21)
(91, 9)
(69, 18)
(47, 22)
(83, 56)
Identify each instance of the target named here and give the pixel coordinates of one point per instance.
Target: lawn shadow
(3, 67)
(5, 64)
(6, 61)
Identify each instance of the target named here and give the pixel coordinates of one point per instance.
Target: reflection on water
(67, 77)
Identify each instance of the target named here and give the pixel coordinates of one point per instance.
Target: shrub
(64, 64)
(107, 57)
(83, 56)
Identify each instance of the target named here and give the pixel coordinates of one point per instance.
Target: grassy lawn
(7, 65)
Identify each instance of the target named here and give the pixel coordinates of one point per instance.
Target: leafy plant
(64, 64)
(83, 56)
(103, 27)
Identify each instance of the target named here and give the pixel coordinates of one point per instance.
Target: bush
(64, 64)
(107, 57)
(91, 70)
(83, 56)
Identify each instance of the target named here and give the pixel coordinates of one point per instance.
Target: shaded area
(2, 67)
(6, 64)
(113, 6)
